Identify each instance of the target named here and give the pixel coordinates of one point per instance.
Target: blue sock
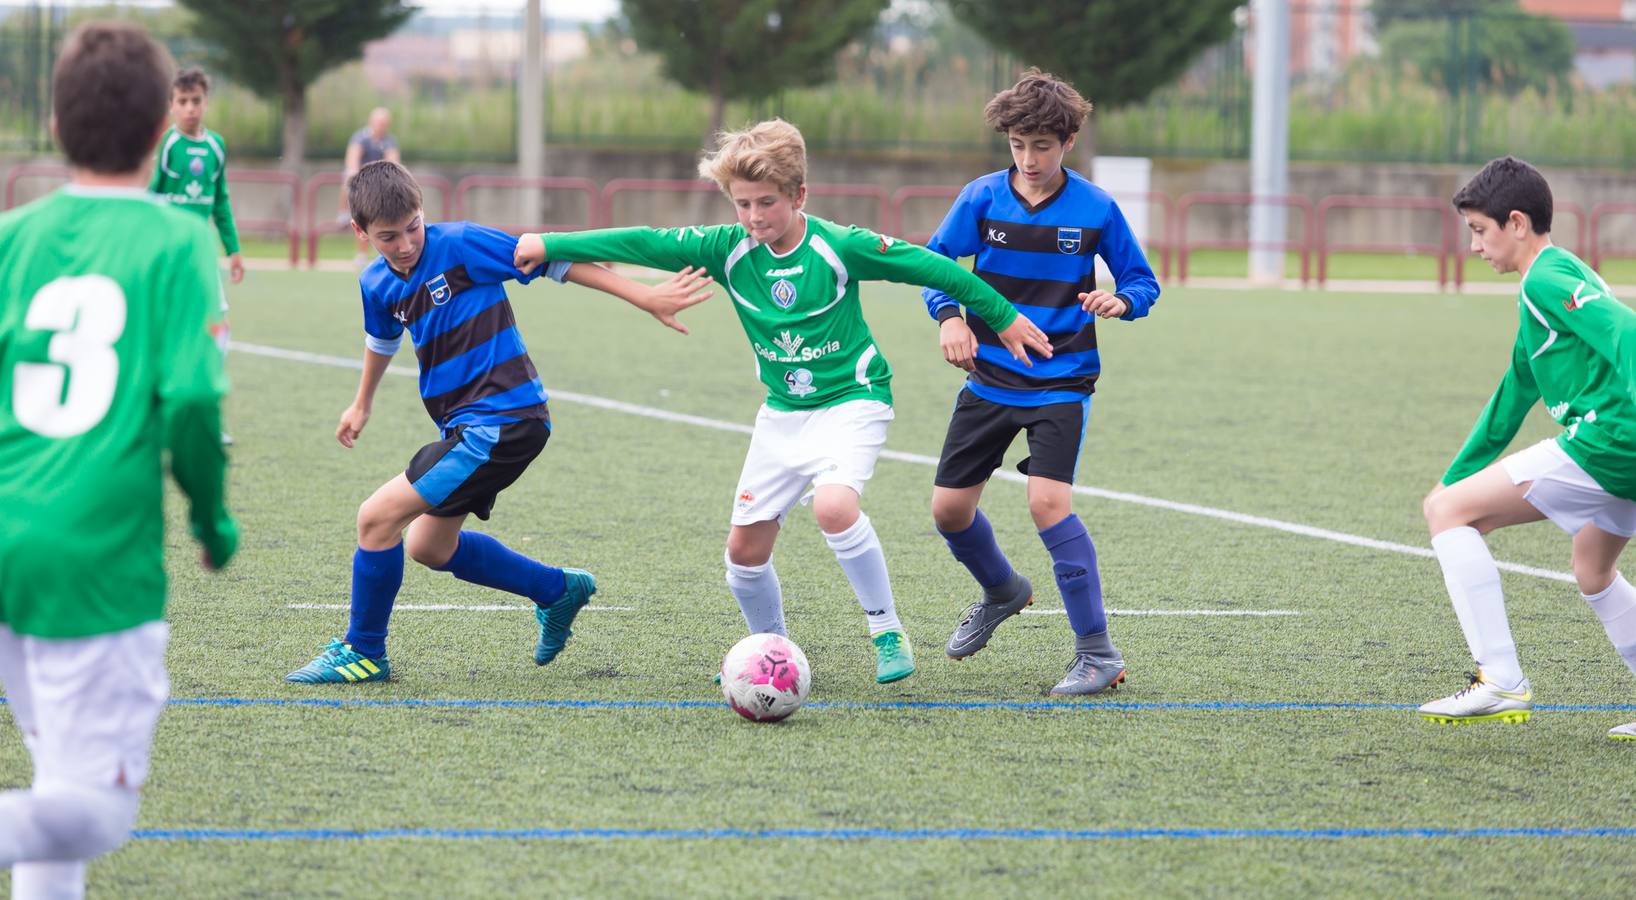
(1073, 558)
(376, 577)
(979, 552)
(483, 560)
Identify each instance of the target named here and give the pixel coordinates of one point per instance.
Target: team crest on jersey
(439, 289)
(1068, 240)
(799, 381)
(784, 293)
(196, 166)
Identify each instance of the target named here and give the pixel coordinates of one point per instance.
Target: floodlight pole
(531, 116)
(1269, 138)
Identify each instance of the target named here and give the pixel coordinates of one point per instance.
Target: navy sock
(376, 577)
(483, 560)
(1073, 559)
(979, 552)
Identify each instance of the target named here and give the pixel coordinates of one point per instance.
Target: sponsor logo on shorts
(745, 500)
(799, 381)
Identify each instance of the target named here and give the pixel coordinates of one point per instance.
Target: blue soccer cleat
(554, 620)
(340, 664)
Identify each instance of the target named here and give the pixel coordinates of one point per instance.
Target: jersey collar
(1033, 208)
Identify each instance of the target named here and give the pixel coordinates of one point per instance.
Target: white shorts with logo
(791, 450)
(87, 706)
(1566, 493)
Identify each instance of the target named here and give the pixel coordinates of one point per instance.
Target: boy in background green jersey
(1575, 352)
(192, 167)
(106, 369)
(793, 279)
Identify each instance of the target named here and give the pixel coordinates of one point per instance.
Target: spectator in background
(372, 143)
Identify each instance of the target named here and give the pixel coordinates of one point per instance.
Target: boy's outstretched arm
(662, 301)
(356, 416)
(671, 249)
(879, 258)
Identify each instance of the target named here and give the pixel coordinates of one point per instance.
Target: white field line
(1339, 537)
(440, 607)
(1255, 613)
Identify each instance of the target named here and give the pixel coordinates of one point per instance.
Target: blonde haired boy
(793, 279)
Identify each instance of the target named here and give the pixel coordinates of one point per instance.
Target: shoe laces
(890, 644)
(1476, 678)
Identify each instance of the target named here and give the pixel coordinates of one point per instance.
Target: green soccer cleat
(894, 661)
(554, 620)
(340, 664)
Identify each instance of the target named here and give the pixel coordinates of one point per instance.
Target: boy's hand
(1104, 304)
(352, 425)
(959, 344)
(689, 287)
(1023, 335)
(235, 268)
(529, 254)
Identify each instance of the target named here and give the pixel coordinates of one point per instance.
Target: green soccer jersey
(105, 363)
(799, 310)
(1576, 352)
(193, 175)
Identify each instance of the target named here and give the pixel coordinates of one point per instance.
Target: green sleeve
(873, 257)
(191, 385)
(670, 249)
(158, 179)
(1567, 301)
(1500, 421)
(222, 212)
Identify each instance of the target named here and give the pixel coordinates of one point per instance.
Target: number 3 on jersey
(87, 314)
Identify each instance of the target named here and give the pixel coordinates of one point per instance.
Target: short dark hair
(1039, 103)
(192, 78)
(382, 191)
(1507, 184)
(110, 94)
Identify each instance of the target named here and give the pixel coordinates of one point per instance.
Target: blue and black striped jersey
(474, 368)
(1041, 257)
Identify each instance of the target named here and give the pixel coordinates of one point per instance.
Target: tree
(278, 48)
(747, 49)
(1492, 46)
(1115, 52)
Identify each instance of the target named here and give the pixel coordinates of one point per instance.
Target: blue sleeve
(382, 333)
(487, 253)
(1133, 278)
(957, 237)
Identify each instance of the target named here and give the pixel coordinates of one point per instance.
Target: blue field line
(1026, 705)
(862, 834)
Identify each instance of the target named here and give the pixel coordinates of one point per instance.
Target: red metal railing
(883, 201)
(650, 185)
(286, 226)
(30, 170)
(1599, 212)
(1443, 249)
(914, 192)
(583, 186)
(317, 227)
(1161, 238)
(1213, 198)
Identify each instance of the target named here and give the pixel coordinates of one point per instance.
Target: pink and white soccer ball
(765, 677)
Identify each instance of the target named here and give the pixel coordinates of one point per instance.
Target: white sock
(61, 823)
(759, 597)
(858, 550)
(1474, 586)
(48, 881)
(1616, 607)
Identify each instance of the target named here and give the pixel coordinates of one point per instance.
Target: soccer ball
(765, 677)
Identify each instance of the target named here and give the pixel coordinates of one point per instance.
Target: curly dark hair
(1039, 103)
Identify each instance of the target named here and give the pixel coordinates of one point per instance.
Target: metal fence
(1441, 88)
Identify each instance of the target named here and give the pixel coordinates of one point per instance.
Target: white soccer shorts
(87, 706)
(790, 450)
(1566, 493)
